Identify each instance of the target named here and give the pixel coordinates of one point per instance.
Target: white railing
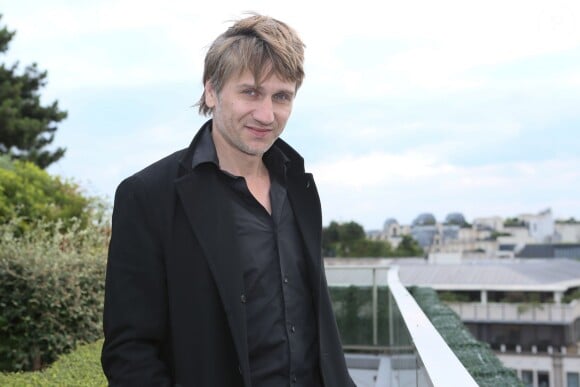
(523, 313)
(439, 361)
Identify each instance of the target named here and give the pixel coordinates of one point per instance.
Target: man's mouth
(259, 132)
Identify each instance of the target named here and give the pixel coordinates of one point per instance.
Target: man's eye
(250, 92)
(283, 97)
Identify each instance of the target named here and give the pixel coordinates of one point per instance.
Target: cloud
(375, 187)
(436, 42)
(377, 169)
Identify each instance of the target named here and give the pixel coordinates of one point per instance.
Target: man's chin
(257, 150)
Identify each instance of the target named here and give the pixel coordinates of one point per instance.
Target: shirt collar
(204, 152)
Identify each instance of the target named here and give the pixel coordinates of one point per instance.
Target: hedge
(79, 368)
(477, 357)
(51, 291)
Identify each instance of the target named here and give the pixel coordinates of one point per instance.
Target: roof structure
(499, 275)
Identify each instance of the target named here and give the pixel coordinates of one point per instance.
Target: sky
(407, 106)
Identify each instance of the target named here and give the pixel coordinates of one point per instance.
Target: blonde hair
(260, 44)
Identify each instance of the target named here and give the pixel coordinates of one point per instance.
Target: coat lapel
(206, 205)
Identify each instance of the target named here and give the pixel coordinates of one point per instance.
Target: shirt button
(293, 329)
(285, 279)
(243, 298)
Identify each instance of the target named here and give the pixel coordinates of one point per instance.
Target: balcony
(544, 313)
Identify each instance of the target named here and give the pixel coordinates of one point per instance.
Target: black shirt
(281, 324)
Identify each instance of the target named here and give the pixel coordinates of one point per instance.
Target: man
(215, 276)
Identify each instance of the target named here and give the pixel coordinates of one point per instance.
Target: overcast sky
(407, 106)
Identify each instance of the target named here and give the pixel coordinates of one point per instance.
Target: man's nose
(264, 112)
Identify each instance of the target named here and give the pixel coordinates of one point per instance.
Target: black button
(293, 329)
(243, 298)
(285, 279)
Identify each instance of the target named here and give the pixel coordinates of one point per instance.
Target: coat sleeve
(135, 311)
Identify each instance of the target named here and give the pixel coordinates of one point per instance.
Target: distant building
(567, 231)
(540, 226)
(488, 237)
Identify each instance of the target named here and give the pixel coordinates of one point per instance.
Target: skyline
(411, 108)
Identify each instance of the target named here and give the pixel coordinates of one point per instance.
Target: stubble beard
(239, 144)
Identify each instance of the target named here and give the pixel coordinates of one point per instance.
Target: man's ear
(210, 95)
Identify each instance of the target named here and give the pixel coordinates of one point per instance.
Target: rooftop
(549, 275)
(501, 275)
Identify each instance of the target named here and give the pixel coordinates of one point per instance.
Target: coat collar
(191, 159)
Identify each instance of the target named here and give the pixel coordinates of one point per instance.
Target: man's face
(248, 117)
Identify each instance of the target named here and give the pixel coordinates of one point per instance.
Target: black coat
(173, 301)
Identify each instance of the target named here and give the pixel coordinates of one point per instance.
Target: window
(543, 379)
(572, 379)
(528, 378)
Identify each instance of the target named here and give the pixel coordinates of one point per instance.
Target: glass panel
(573, 379)
(353, 309)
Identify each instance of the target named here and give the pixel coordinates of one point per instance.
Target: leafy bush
(571, 295)
(51, 291)
(453, 296)
(79, 368)
(30, 193)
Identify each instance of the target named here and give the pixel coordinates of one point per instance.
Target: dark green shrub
(476, 357)
(51, 291)
(81, 367)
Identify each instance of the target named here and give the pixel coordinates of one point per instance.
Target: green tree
(26, 126)
(367, 248)
(336, 235)
(570, 220)
(408, 247)
(330, 236)
(349, 240)
(351, 231)
(29, 194)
